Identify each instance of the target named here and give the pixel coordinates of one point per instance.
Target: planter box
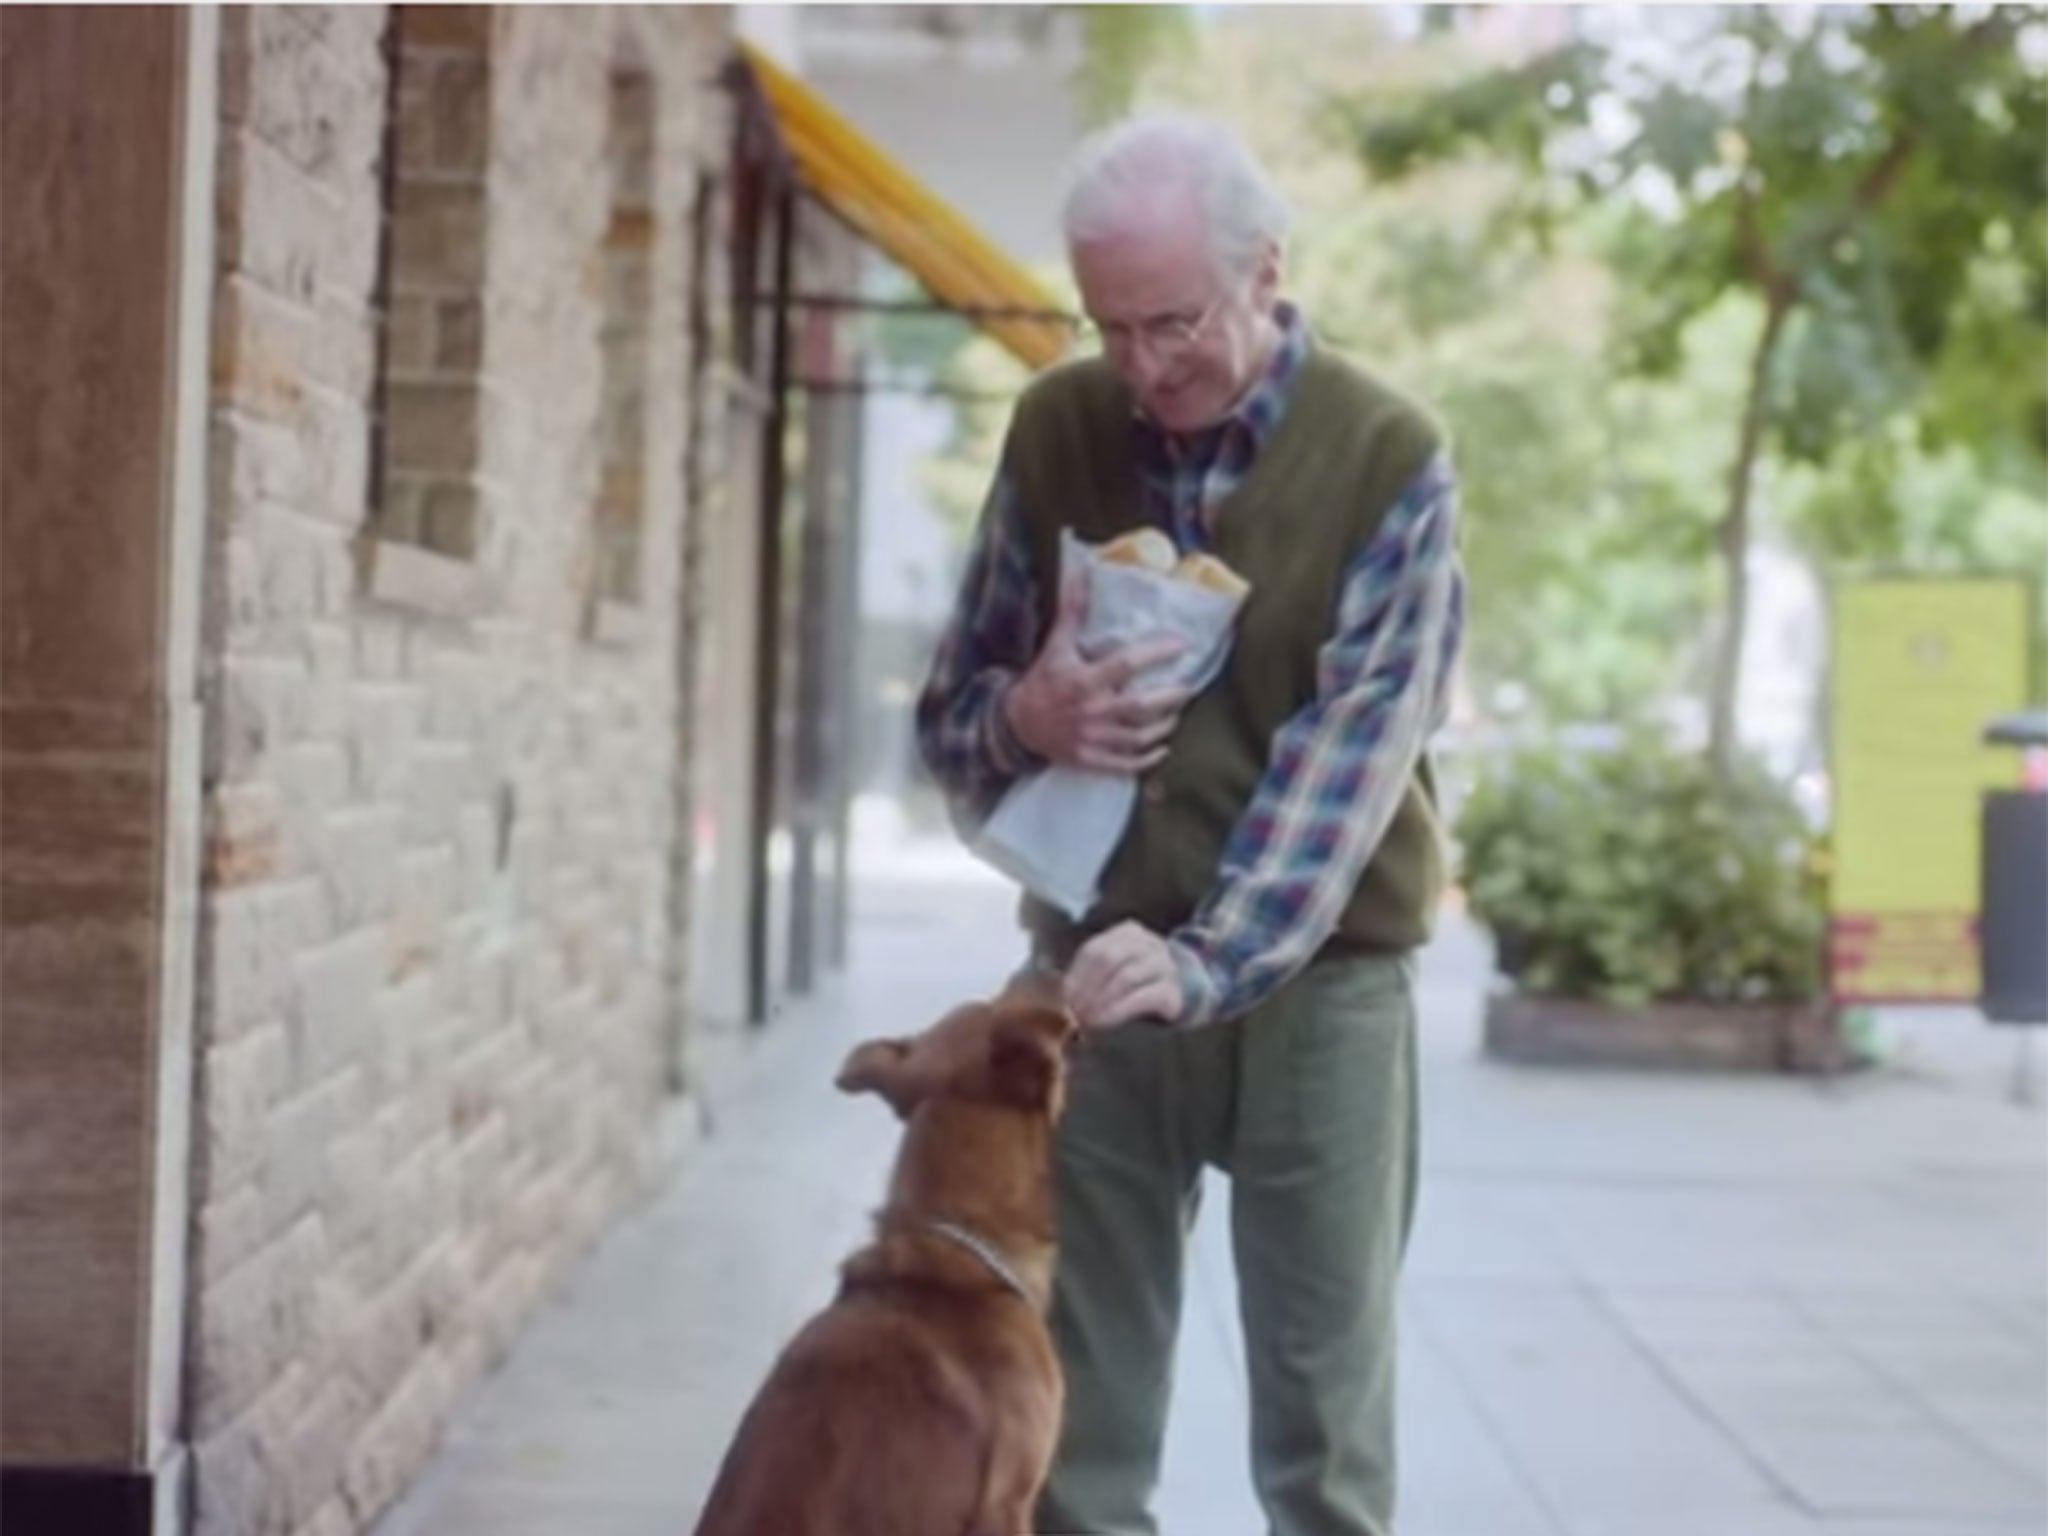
(1723, 1037)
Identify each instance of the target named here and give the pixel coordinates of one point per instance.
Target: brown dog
(925, 1400)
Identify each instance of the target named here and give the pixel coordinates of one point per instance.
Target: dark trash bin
(2013, 910)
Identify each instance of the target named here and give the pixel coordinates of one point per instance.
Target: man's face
(1187, 341)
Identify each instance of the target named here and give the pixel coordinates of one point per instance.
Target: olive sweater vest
(1316, 494)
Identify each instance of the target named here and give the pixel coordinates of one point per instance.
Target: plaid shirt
(1338, 768)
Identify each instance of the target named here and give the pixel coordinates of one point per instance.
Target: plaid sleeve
(1339, 767)
(963, 734)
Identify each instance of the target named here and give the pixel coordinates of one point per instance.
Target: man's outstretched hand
(1123, 974)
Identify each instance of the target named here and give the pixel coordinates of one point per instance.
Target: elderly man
(1246, 975)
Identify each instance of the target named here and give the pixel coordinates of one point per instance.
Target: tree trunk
(1733, 539)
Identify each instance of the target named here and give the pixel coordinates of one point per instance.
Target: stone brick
(261, 347)
(433, 426)
(418, 927)
(242, 1080)
(334, 441)
(458, 335)
(437, 237)
(421, 1208)
(414, 132)
(335, 1023)
(252, 934)
(383, 653)
(419, 1120)
(351, 36)
(239, 1469)
(229, 1231)
(317, 1448)
(351, 1198)
(401, 511)
(242, 839)
(295, 1171)
(396, 1442)
(457, 688)
(312, 777)
(264, 706)
(466, 27)
(450, 520)
(387, 1330)
(411, 339)
(436, 781)
(511, 1294)
(360, 865)
(376, 738)
(253, 464)
(233, 618)
(293, 552)
(476, 844)
(294, 97)
(631, 147)
(284, 248)
(459, 96)
(357, 242)
(237, 55)
(327, 656)
(261, 1326)
(345, 343)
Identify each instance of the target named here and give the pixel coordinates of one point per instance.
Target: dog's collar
(985, 1251)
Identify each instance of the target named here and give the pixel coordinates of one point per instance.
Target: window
(628, 260)
(428, 415)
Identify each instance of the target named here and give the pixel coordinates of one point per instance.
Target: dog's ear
(1027, 1057)
(879, 1066)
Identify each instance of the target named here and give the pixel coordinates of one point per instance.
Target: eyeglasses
(1166, 337)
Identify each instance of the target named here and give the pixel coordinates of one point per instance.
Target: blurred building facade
(346, 370)
(430, 533)
(1004, 82)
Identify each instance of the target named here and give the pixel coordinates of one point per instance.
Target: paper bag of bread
(1151, 550)
(1054, 832)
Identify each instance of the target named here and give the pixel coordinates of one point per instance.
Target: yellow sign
(1920, 667)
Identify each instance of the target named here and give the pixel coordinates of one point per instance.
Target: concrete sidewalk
(1636, 1306)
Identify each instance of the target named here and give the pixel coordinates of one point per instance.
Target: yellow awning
(960, 267)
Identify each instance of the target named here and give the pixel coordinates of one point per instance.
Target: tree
(1866, 181)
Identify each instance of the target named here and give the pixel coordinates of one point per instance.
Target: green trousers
(1309, 1105)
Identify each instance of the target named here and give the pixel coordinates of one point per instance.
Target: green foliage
(1513, 111)
(1639, 876)
(1119, 43)
(1871, 176)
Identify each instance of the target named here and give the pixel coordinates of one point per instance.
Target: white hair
(1133, 162)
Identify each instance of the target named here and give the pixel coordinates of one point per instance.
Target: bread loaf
(1146, 547)
(1208, 571)
(1152, 550)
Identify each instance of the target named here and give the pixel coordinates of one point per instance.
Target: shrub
(1636, 875)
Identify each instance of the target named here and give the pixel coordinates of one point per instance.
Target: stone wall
(437, 1007)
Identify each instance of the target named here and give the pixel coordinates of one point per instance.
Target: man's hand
(1077, 712)
(1124, 974)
